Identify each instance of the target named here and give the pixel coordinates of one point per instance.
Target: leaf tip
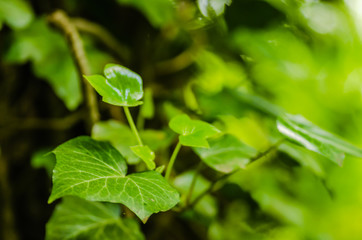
(144, 220)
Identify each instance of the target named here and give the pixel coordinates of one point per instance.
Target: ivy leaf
(94, 220)
(193, 133)
(96, 171)
(146, 154)
(120, 86)
(226, 154)
(301, 131)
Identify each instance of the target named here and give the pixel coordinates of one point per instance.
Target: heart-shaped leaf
(193, 133)
(146, 154)
(301, 131)
(226, 154)
(96, 171)
(76, 218)
(120, 86)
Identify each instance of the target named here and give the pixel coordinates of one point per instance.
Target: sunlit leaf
(226, 154)
(120, 86)
(193, 133)
(300, 130)
(247, 129)
(75, 218)
(146, 154)
(96, 171)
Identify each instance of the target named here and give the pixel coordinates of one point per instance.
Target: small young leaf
(96, 171)
(193, 133)
(146, 154)
(300, 130)
(75, 218)
(226, 154)
(160, 169)
(120, 86)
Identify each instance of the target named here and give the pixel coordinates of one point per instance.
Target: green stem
(132, 125)
(172, 160)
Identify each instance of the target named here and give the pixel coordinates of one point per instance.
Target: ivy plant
(91, 173)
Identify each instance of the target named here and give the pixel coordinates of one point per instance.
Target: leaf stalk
(132, 125)
(172, 160)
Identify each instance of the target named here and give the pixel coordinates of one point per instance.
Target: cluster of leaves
(267, 156)
(97, 171)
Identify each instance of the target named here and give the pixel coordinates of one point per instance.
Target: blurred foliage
(239, 65)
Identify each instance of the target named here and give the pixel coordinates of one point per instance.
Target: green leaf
(308, 159)
(39, 44)
(160, 169)
(226, 154)
(159, 12)
(75, 218)
(193, 133)
(120, 86)
(96, 171)
(146, 154)
(301, 131)
(16, 13)
(119, 135)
